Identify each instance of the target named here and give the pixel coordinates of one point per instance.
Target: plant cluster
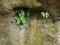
(45, 14)
(21, 18)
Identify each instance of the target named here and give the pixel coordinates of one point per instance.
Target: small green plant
(21, 20)
(45, 14)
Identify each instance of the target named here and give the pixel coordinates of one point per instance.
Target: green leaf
(22, 13)
(17, 20)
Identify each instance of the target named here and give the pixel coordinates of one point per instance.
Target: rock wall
(40, 31)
